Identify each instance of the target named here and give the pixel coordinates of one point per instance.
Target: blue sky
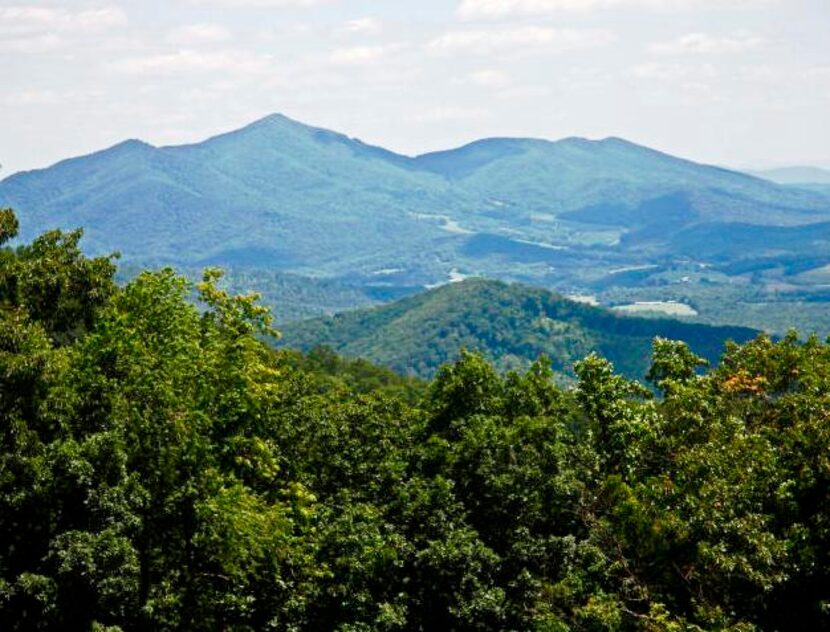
(734, 82)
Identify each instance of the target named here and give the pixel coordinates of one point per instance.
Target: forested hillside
(282, 205)
(280, 194)
(164, 468)
(511, 325)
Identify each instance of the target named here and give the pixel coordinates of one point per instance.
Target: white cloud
(191, 61)
(364, 26)
(672, 72)
(584, 79)
(816, 72)
(28, 20)
(703, 43)
(501, 9)
(490, 78)
(32, 97)
(35, 30)
(194, 34)
(527, 39)
(523, 93)
(451, 114)
(33, 45)
(360, 55)
(28, 98)
(259, 4)
(474, 9)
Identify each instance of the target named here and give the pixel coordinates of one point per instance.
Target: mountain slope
(511, 324)
(281, 195)
(614, 182)
(275, 193)
(320, 222)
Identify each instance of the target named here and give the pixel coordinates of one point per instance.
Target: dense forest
(163, 467)
(509, 324)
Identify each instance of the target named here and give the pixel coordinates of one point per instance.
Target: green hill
(511, 324)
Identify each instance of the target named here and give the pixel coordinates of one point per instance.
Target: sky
(744, 83)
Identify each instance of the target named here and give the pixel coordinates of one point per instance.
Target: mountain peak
(607, 142)
(280, 124)
(131, 144)
(275, 118)
(279, 129)
(268, 129)
(618, 140)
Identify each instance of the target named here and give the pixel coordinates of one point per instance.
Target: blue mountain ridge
(282, 195)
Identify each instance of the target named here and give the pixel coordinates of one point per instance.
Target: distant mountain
(822, 188)
(511, 324)
(795, 175)
(275, 194)
(613, 182)
(280, 195)
(320, 222)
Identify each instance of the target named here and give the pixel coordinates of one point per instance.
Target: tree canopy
(163, 467)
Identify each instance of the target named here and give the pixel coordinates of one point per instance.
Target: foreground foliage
(163, 468)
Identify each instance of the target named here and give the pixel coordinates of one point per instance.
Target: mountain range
(278, 193)
(282, 198)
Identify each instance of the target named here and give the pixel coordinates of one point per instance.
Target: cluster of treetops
(163, 467)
